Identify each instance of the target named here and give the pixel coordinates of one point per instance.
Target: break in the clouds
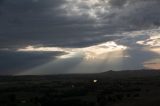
(110, 34)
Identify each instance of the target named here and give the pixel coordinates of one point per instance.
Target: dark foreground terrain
(134, 88)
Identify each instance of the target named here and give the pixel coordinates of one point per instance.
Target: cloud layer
(72, 22)
(76, 24)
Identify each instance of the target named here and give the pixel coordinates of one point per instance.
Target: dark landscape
(123, 88)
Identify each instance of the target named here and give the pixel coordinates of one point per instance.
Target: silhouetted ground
(134, 88)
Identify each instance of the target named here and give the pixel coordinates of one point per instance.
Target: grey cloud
(117, 3)
(40, 22)
(1, 2)
(136, 15)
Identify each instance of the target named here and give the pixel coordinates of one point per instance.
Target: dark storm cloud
(46, 23)
(13, 62)
(117, 3)
(138, 15)
(40, 22)
(1, 2)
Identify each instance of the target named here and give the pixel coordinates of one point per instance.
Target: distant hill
(131, 73)
(107, 74)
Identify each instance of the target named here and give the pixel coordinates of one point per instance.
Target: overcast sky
(78, 36)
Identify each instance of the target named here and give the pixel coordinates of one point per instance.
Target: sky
(78, 36)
